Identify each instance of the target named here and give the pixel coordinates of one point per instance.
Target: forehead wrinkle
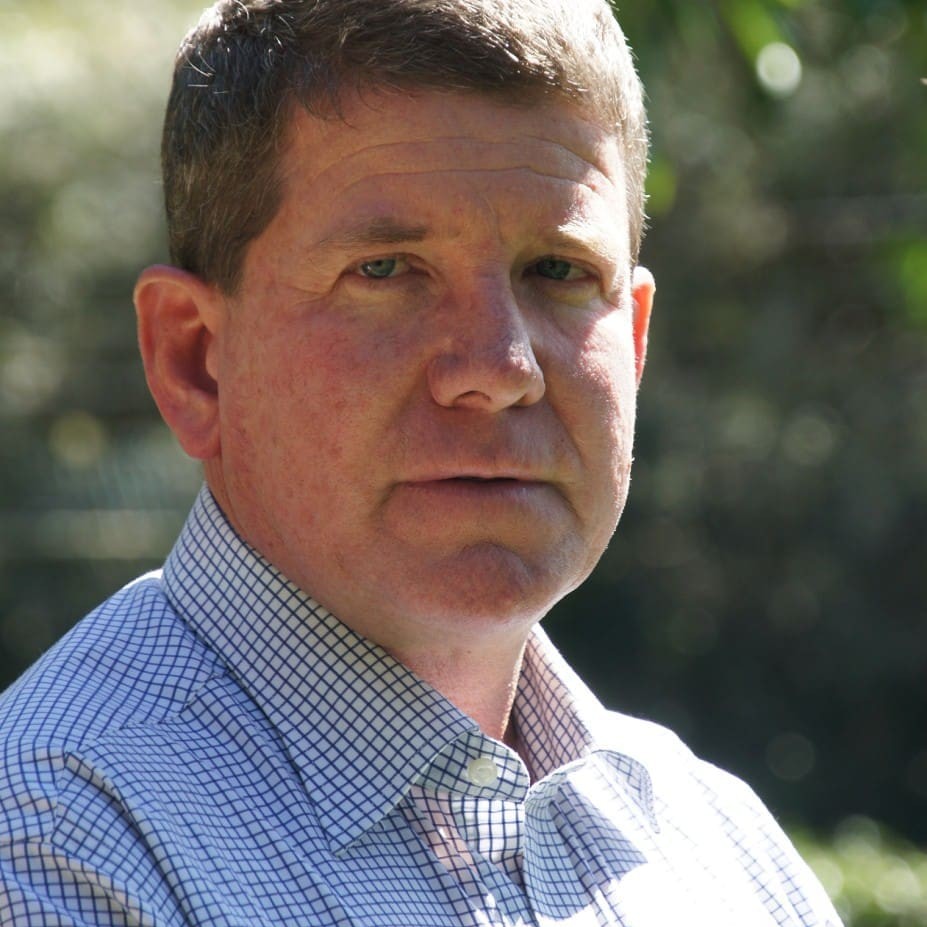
(387, 175)
(408, 157)
(389, 223)
(467, 141)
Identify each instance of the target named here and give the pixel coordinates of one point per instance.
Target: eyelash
(585, 275)
(395, 258)
(573, 266)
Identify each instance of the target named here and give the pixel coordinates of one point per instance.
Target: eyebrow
(384, 230)
(571, 238)
(388, 230)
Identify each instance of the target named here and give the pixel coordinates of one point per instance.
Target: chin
(490, 583)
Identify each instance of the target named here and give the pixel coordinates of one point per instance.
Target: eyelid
(399, 258)
(588, 270)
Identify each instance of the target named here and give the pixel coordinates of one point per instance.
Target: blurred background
(765, 594)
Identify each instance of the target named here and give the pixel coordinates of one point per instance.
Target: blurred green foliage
(875, 878)
(765, 592)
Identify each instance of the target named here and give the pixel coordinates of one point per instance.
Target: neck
(480, 684)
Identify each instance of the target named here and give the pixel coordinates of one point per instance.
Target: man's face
(427, 378)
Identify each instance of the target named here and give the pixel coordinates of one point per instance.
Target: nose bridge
(493, 320)
(487, 358)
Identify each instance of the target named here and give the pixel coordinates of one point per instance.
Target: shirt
(210, 746)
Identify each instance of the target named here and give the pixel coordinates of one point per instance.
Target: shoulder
(119, 751)
(719, 812)
(677, 775)
(131, 662)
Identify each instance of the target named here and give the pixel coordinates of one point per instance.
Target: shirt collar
(359, 727)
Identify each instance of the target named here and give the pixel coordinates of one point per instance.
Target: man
(403, 330)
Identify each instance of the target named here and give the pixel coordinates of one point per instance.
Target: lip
(486, 482)
(466, 487)
(478, 473)
(478, 478)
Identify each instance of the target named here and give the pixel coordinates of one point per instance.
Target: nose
(487, 360)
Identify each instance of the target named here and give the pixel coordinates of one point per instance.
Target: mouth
(489, 499)
(474, 487)
(483, 484)
(488, 479)
(481, 476)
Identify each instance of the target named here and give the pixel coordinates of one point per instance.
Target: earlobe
(179, 318)
(642, 292)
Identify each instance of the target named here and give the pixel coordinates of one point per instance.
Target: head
(404, 331)
(243, 70)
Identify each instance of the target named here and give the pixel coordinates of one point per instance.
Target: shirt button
(482, 771)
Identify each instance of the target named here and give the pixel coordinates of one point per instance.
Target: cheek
(316, 391)
(601, 389)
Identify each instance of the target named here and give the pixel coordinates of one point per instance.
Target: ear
(178, 321)
(642, 290)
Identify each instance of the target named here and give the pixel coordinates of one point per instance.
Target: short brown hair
(239, 72)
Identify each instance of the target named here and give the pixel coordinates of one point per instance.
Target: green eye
(380, 268)
(556, 269)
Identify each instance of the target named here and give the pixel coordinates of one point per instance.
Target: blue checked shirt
(212, 747)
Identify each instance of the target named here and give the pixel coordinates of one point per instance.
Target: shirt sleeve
(41, 886)
(70, 855)
(759, 837)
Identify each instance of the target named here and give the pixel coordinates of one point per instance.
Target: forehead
(445, 162)
(369, 116)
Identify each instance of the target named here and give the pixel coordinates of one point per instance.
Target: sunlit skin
(419, 404)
